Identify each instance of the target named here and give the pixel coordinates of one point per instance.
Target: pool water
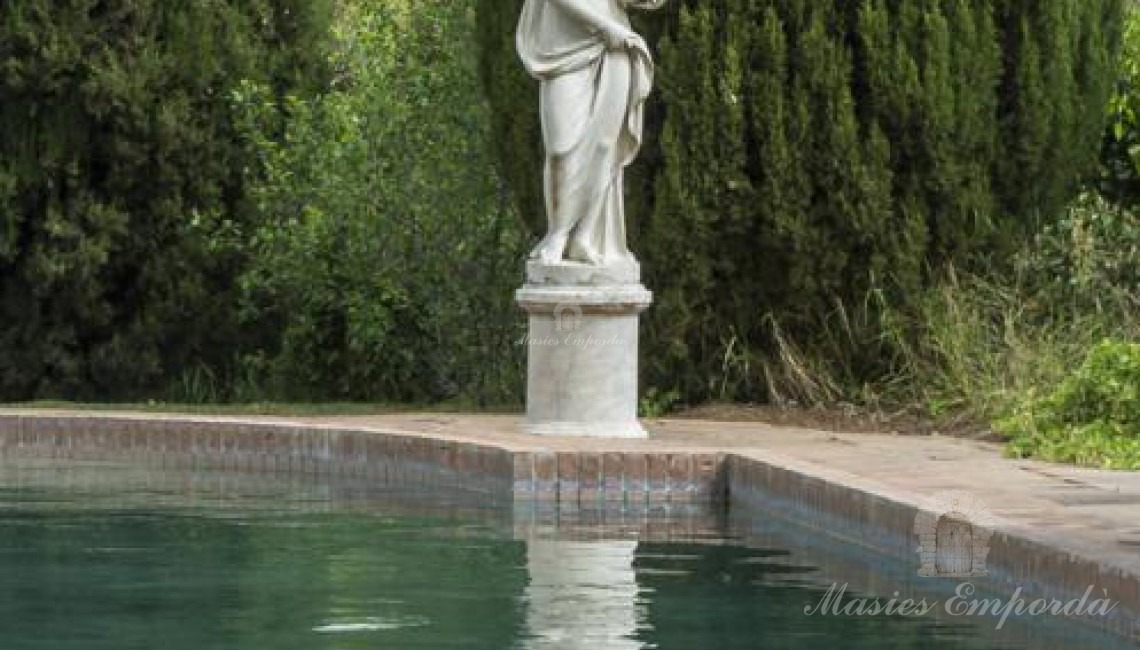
(112, 558)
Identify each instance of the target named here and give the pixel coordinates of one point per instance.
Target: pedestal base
(582, 349)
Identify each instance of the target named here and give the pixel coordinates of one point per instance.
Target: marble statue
(583, 294)
(595, 75)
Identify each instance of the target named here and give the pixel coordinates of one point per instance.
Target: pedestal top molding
(584, 288)
(630, 299)
(581, 274)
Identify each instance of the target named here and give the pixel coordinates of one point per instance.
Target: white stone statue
(595, 75)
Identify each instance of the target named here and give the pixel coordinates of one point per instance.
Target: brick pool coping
(1056, 530)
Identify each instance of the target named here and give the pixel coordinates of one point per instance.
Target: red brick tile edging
(568, 477)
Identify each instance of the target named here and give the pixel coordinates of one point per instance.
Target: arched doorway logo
(954, 530)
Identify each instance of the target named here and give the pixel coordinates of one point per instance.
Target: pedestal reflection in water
(582, 596)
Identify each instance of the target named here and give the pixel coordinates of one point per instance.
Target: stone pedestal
(582, 348)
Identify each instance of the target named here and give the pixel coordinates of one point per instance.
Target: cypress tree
(684, 223)
(518, 135)
(1058, 43)
(1025, 125)
(975, 72)
(778, 131)
(121, 183)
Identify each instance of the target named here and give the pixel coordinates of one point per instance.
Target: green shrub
(1087, 261)
(121, 184)
(1092, 418)
(1121, 154)
(387, 262)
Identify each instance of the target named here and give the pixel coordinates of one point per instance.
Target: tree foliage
(1121, 154)
(1092, 418)
(121, 182)
(388, 257)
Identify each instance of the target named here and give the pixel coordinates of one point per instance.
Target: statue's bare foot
(551, 249)
(584, 252)
(536, 252)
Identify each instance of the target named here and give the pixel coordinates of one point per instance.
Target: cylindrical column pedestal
(582, 349)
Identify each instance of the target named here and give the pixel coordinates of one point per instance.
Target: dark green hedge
(810, 158)
(121, 182)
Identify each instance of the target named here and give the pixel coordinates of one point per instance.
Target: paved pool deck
(1095, 513)
(1079, 507)
(1054, 525)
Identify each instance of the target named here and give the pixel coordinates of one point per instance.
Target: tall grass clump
(987, 347)
(979, 348)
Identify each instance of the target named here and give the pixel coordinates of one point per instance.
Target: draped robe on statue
(592, 102)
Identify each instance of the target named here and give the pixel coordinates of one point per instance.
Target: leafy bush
(1087, 261)
(121, 185)
(1121, 154)
(388, 260)
(1092, 418)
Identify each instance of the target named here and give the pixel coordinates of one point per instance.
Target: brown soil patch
(840, 419)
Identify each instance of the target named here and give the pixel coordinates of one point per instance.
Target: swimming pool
(105, 555)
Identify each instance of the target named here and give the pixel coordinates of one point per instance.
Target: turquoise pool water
(99, 557)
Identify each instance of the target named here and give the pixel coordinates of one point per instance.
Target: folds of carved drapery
(593, 99)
